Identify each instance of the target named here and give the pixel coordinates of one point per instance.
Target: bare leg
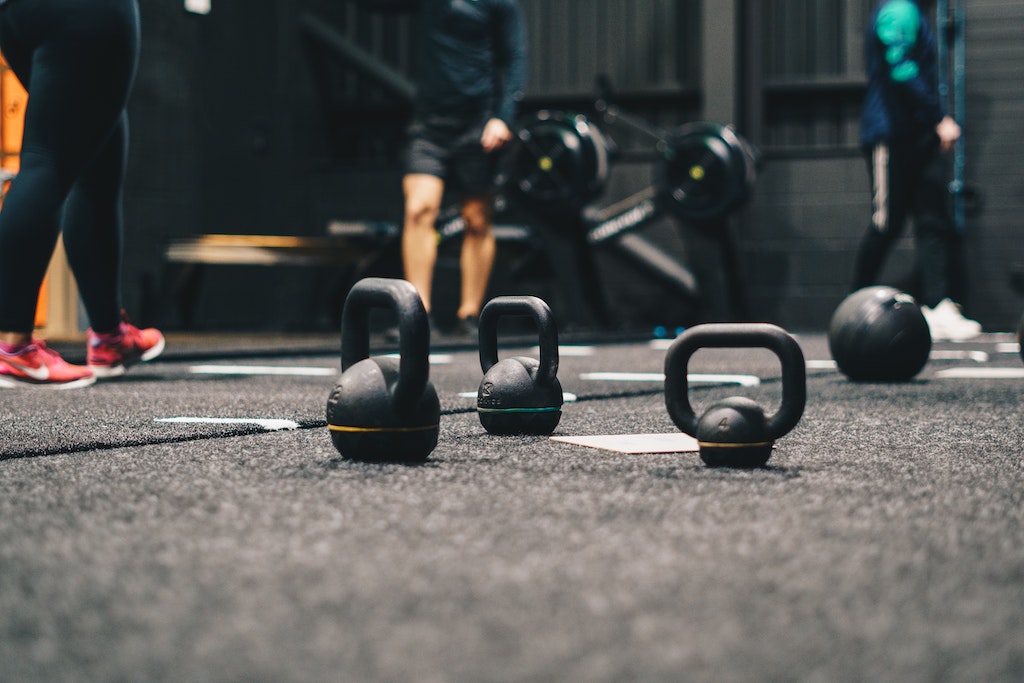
(419, 238)
(477, 258)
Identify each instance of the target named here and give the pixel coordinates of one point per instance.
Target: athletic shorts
(449, 148)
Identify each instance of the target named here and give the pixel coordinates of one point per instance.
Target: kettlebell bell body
(736, 432)
(519, 395)
(384, 409)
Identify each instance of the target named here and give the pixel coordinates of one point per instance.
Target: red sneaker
(110, 354)
(38, 366)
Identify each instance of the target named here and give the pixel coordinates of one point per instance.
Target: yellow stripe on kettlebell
(380, 430)
(715, 444)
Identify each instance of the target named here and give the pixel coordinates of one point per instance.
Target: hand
(948, 131)
(496, 134)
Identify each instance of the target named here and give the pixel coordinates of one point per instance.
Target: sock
(13, 349)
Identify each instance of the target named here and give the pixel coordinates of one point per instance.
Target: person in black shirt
(473, 68)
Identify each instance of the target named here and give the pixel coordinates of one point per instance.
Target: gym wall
(244, 123)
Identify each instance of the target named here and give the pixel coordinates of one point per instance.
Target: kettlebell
(384, 409)
(736, 432)
(519, 395)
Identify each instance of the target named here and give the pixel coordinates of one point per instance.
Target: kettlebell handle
(547, 332)
(736, 336)
(413, 328)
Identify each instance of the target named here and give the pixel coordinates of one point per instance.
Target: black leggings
(77, 60)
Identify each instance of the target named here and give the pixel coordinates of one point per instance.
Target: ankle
(112, 337)
(14, 348)
(15, 338)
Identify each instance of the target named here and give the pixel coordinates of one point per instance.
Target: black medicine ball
(879, 334)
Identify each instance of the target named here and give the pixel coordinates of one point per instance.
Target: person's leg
(935, 234)
(93, 224)
(423, 195)
(890, 194)
(93, 232)
(81, 53)
(473, 170)
(477, 257)
(936, 239)
(29, 223)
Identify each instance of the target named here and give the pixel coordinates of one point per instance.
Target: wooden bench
(355, 246)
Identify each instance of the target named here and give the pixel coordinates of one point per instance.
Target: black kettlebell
(384, 409)
(519, 395)
(736, 432)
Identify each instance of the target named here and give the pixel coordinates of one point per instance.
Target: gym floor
(193, 521)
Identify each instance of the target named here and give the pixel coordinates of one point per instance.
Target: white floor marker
(271, 425)
(568, 351)
(742, 380)
(675, 442)
(567, 396)
(275, 370)
(981, 373)
(976, 356)
(435, 358)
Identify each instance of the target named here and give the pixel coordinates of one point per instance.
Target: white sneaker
(947, 323)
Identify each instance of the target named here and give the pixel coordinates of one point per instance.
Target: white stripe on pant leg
(880, 196)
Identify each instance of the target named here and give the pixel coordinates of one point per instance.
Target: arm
(510, 57)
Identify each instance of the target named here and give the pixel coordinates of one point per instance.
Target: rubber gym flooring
(192, 522)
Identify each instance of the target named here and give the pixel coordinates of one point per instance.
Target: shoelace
(126, 333)
(46, 351)
(131, 336)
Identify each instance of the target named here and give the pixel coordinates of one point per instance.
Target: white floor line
(976, 356)
(263, 370)
(981, 373)
(271, 425)
(742, 380)
(568, 351)
(435, 358)
(567, 396)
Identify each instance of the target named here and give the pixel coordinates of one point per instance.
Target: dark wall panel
(244, 123)
(164, 183)
(994, 134)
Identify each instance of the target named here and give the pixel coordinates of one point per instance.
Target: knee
(420, 212)
(477, 217)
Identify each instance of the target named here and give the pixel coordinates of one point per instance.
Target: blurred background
(285, 117)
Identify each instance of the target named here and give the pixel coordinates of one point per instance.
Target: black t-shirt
(473, 57)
